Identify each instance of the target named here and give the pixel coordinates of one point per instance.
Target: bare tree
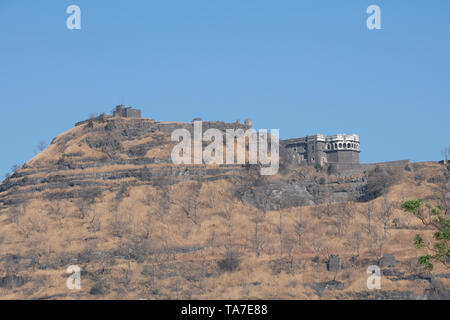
(119, 224)
(445, 153)
(385, 214)
(369, 213)
(55, 208)
(158, 201)
(93, 221)
(343, 215)
(40, 147)
(355, 242)
(82, 208)
(318, 246)
(300, 228)
(190, 202)
(280, 231)
(14, 213)
(257, 219)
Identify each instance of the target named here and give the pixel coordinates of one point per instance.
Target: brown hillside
(106, 197)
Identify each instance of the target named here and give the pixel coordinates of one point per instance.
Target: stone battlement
(130, 119)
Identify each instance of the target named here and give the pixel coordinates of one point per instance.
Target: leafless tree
(32, 223)
(300, 228)
(40, 147)
(368, 214)
(385, 214)
(82, 208)
(158, 201)
(343, 213)
(257, 219)
(445, 153)
(190, 202)
(318, 247)
(355, 242)
(14, 213)
(280, 230)
(120, 224)
(93, 221)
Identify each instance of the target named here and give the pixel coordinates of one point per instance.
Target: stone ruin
(126, 112)
(334, 263)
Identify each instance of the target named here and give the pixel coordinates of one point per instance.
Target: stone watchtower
(124, 112)
(339, 148)
(342, 148)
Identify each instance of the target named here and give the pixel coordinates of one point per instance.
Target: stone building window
(340, 145)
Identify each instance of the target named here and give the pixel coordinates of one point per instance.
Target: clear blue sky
(303, 67)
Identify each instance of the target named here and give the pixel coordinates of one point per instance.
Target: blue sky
(303, 67)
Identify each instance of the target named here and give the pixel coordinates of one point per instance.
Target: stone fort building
(126, 112)
(321, 149)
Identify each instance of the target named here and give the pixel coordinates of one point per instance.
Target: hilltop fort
(317, 149)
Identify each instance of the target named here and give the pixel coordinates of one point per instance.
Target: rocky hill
(105, 196)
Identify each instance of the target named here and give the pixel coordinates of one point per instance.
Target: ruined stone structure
(321, 149)
(122, 111)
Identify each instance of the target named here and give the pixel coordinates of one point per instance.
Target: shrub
(109, 126)
(229, 264)
(331, 169)
(378, 181)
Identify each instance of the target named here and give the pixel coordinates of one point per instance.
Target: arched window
(335, 145)
(348, 145)
(340, 145)
(328, 146)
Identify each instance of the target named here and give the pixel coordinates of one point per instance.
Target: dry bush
(93, 222)
(14, 213)
(32, 223)
(157, 200)
(119, 224)
(189, 201)
(82, 209)
(378, 182)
